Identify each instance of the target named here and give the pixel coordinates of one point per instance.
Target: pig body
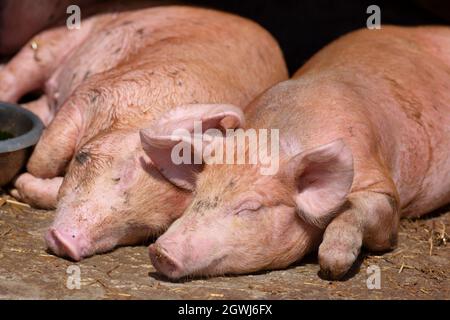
(364, 139)
(114, 75)
(21, 20)
(396, 124)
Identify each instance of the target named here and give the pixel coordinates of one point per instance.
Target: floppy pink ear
(175, 130)
(323, 178)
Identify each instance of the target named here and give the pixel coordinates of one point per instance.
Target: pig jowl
(102, 84)
(364, 139)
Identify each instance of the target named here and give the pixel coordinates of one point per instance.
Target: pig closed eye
(248, 207)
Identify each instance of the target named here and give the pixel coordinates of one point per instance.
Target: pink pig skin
(22, 19)
(364, 139)
(103, 83)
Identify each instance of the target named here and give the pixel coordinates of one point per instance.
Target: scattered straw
(110, 271)
(312, 284)
(404, 266)
(17, 204)
(443, 237)
(124, 294)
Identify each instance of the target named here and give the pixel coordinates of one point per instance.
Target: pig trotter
(41, 108)
(57, 144)
(33, 65)
(372, 221)
(41, 193)
(340, 246)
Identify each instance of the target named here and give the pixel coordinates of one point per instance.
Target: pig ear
(177, 127)
(323, 178)
(220, 116)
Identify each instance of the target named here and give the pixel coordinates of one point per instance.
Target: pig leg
(51, 156)
(371, 220)
(40, 108)
(57, 144)
(60, 139)
(35, 63)
(40, 193)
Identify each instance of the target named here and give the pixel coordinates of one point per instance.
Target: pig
(364, 139)
(105, 82)
(21, 20)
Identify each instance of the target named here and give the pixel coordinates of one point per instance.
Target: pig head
(121, 183)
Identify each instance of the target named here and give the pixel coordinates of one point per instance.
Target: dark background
(302, 27)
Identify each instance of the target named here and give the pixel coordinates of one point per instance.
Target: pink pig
(364, 137)
(20, 20)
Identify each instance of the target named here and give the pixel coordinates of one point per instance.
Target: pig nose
(64, 244)
(165, 264)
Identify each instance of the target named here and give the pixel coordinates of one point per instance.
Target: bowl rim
(26, 140)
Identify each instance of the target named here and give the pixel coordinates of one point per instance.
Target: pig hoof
(334, 264)
(163, 263)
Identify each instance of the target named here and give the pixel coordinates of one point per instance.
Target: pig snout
(68, 244)
(165, 263)
(184, 252)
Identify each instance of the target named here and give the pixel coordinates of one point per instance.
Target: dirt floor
(418, 269)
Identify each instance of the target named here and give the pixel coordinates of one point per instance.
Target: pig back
(230, 59)
(387, 94)
(397, 84)
(162, 57)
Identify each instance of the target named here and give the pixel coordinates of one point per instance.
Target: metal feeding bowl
(19, 130)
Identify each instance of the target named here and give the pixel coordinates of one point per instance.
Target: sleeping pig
(102, 84)
(20, 20)
(363, 139)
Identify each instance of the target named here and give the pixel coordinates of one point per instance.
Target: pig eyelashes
(247, 206)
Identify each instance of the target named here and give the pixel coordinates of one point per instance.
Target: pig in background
(364, 139)
(103, 83)
(22, 19)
